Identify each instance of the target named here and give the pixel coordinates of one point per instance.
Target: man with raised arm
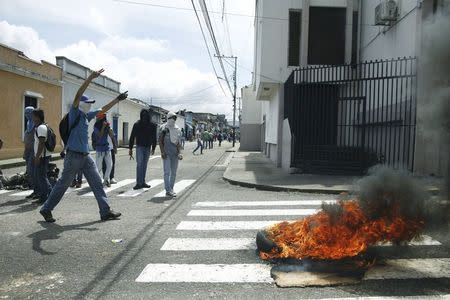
(78, 157)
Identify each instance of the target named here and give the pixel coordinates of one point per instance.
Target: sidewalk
(255, 170)
(19, 162)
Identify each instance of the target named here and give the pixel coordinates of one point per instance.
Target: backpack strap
(75, 124)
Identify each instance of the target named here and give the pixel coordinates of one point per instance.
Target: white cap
(171, 114)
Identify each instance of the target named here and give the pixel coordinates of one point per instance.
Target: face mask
(171, 122)
(84, 107)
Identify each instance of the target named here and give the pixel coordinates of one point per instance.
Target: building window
(29, 101)
(326, 41)
(295, 29)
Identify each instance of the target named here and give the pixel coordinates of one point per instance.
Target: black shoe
(31, 196)
(47, 216)
(137, 187)
(73, 184)
(146, 186)
(111, 215)
(36, 196)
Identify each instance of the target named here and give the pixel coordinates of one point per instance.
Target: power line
(190, 94)
(188, 9)
(213, 38)
(207, 48)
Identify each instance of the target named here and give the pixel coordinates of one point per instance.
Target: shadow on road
(53, 231)
(160, 199)
(14, 202)
(21, 209)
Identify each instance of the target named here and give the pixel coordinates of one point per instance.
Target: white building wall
(381, 42)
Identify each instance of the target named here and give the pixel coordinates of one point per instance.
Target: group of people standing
(205, 139)
(78, 162)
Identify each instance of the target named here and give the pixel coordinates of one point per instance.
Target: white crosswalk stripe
(205, 273)
(4, 192)
(261, 203)
(224, 225)
(114, 187)
(178, 187)
(134, 193)
(253, 212)
(23, 193)
(227, 244)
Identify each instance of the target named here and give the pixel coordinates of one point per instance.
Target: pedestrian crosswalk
(122, 189)
(201, 234)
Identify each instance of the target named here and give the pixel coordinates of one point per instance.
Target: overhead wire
(189, 94)
(213, 38)
(207, 47)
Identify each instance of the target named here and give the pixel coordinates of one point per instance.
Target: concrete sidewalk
(255, 170)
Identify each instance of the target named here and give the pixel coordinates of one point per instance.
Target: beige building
(26, 82)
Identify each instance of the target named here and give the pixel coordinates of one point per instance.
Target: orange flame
(321, 236)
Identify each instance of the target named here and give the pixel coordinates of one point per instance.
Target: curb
(274, 188)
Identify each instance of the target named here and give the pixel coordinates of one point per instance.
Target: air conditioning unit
(386, 12)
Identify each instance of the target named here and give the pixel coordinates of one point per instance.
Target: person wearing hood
(170, 145)
(28, 154)
(144, 132)
(78, 158)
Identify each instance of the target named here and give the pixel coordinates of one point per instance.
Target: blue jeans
(170, 171)
(30, 170)
(73, 163)
(142, 157)
(41, 182)
(79, 176)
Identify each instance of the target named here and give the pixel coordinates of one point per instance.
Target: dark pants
(113, 156)
(220, 143)
(199, 145)
(211, 144)
(41, 183)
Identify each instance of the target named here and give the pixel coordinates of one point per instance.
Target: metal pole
(234, 101)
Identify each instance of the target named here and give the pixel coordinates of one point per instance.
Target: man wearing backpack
(41, 156)
(77, 157)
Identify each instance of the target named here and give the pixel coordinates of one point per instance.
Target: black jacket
(145, 135)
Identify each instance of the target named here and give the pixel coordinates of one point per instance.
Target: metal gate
(347, 118)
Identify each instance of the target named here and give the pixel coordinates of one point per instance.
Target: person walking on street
(101, 145)
(183, 138)
(78, 157)
(210, 140)
(28, 154)
(220, 138)
(144, 132)
(205, 137)
(199, 143)
(170, 145)
(113, 145)
(41, 156)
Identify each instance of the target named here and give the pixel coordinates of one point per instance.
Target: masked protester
(144, 132)
(78, 158)
(28, 154)
(103, 131)
(170, 145)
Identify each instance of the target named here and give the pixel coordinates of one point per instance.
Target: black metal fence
(347, 118)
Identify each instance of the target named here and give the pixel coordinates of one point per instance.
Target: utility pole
(234, 94)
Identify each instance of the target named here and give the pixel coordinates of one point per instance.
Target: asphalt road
(162, 249)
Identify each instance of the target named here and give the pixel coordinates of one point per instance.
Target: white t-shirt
(41, 131)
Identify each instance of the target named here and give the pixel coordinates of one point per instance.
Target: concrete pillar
(349, 32)
(304, 34)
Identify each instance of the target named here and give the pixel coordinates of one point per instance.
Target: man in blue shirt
(78, 157)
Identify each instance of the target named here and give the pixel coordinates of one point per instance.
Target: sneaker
(146, 186)
(107, 183)
(73, 184)
(171, 194)
(111, 215)
(48, 217)
(31, 196)
(137, 187)
(78, 185)
(113, 181)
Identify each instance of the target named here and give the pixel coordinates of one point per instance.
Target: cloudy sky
(154, 52)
